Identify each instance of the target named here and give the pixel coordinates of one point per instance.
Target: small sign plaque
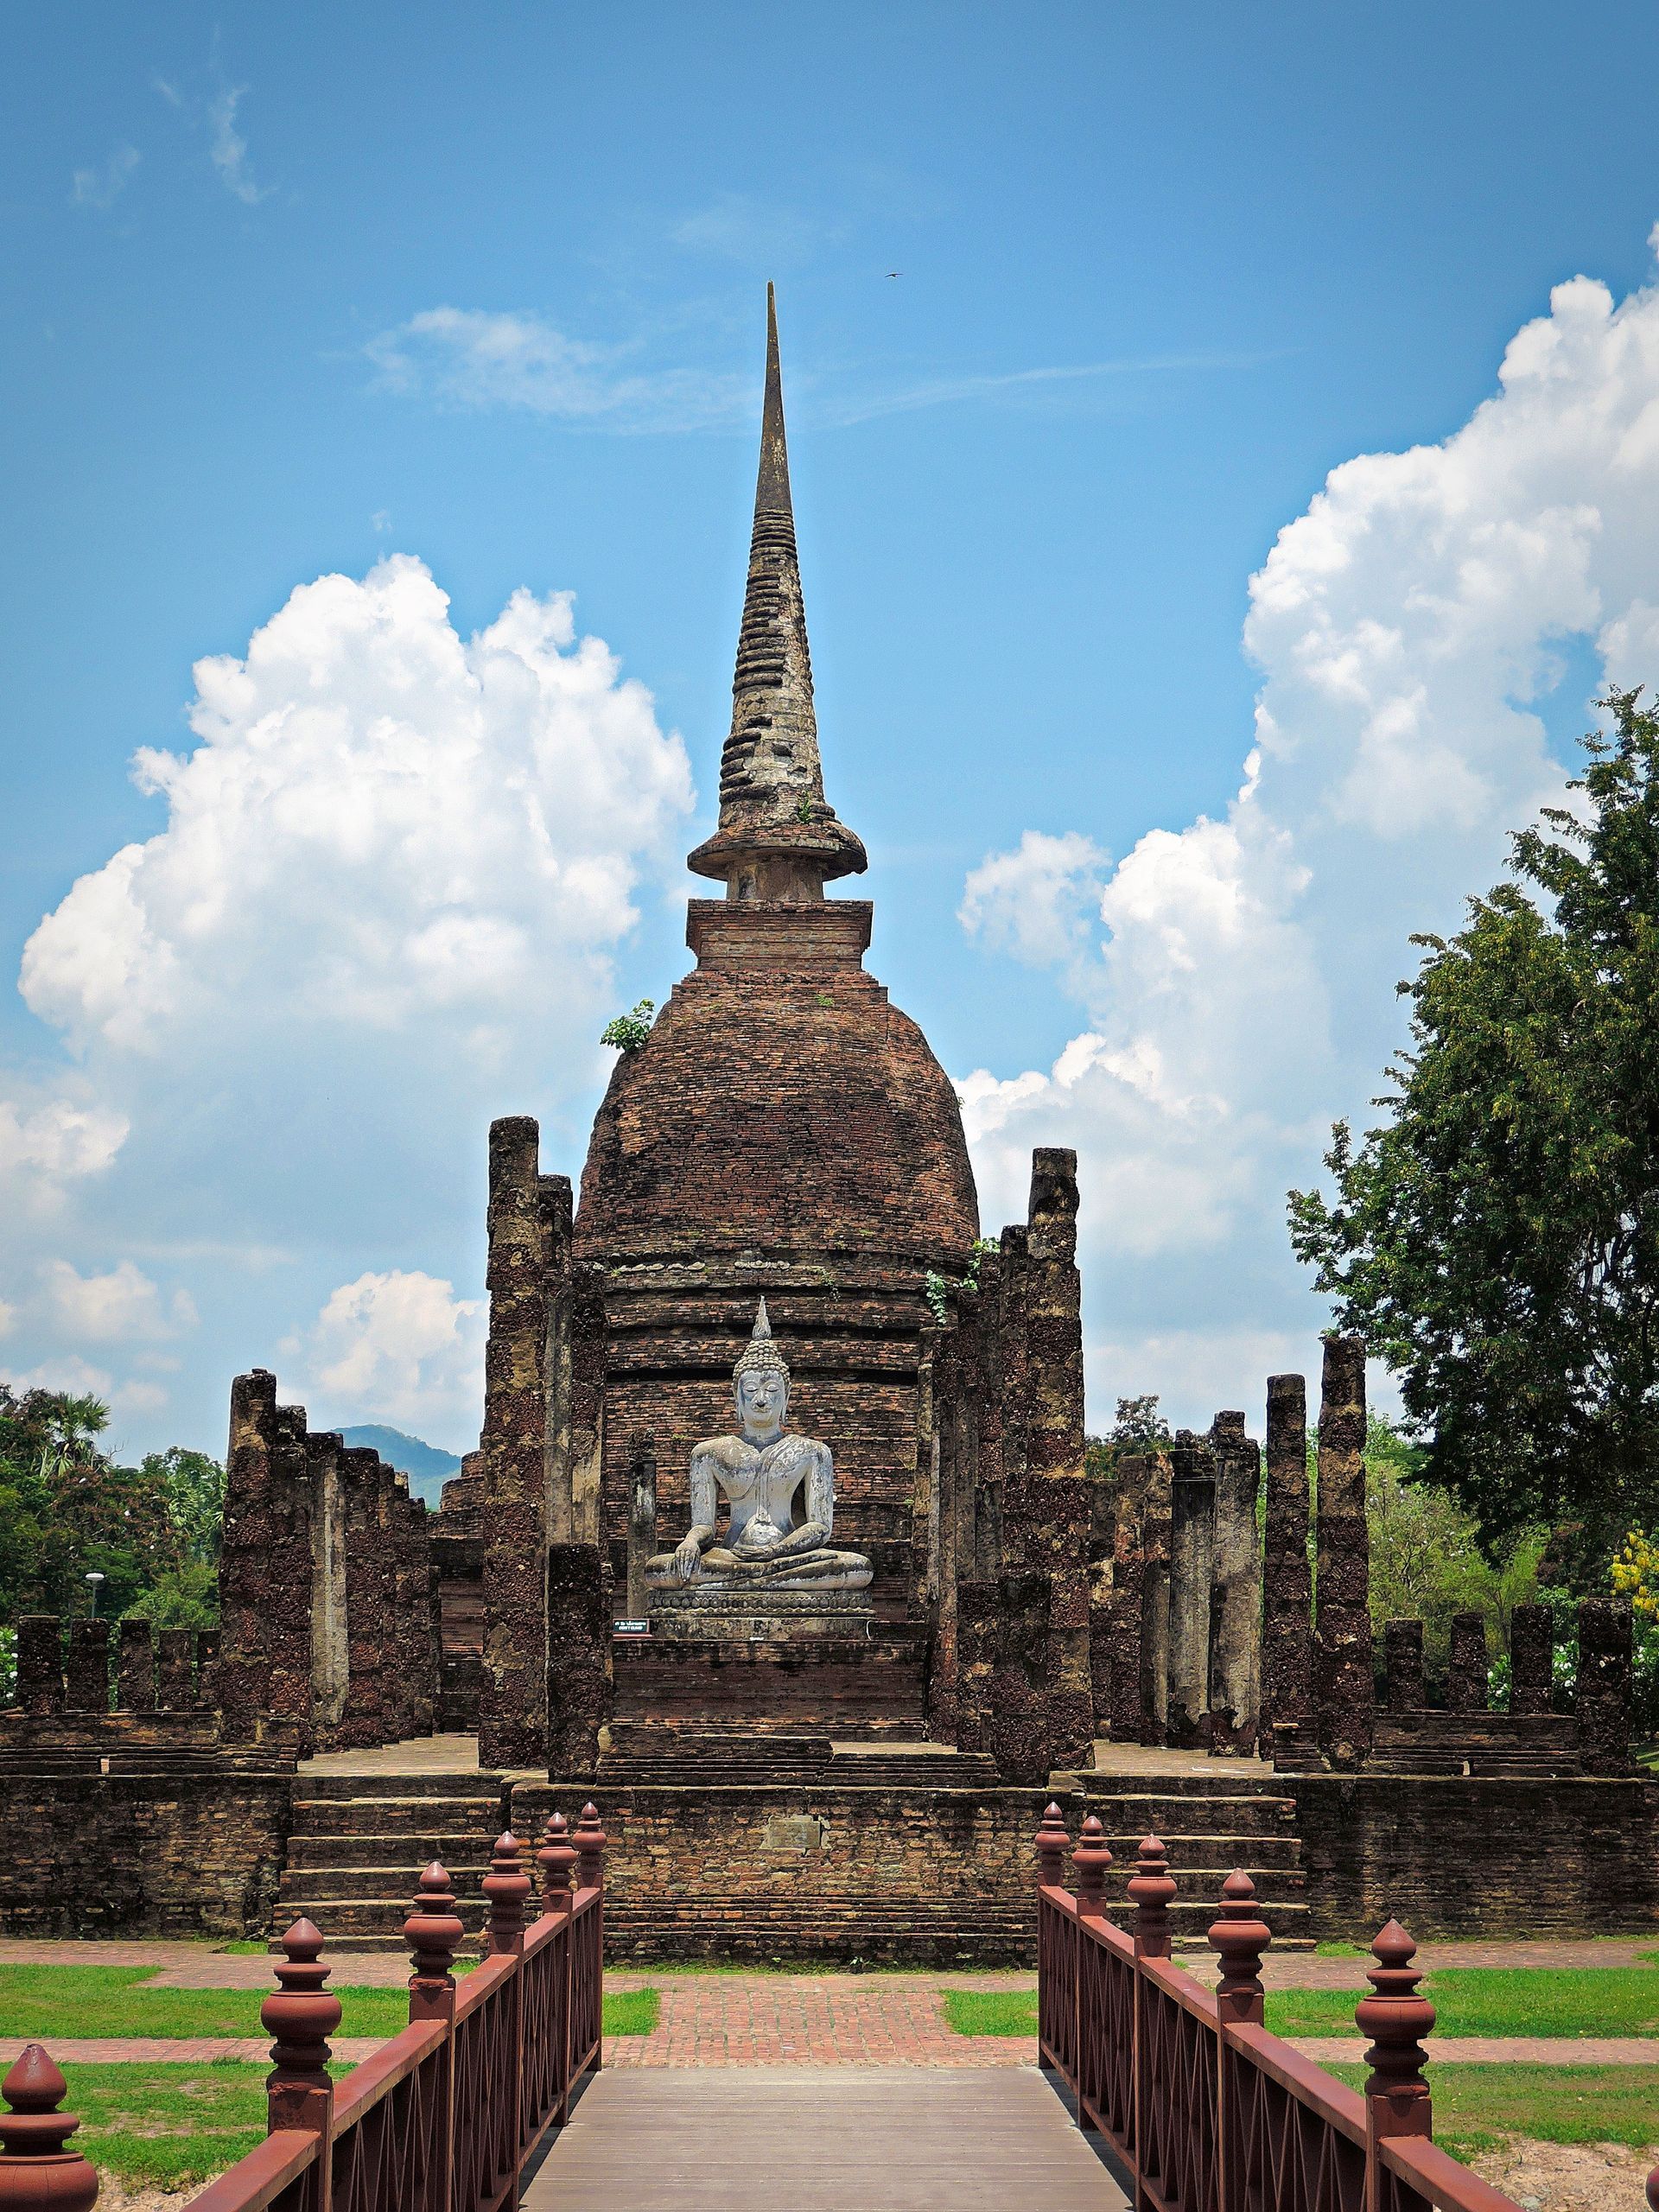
(632, 1628)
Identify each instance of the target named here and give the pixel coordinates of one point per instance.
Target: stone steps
(393, 1817)
(360, 1841)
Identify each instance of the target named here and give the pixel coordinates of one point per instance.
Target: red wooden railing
(1208, 2111)
(442, 2117)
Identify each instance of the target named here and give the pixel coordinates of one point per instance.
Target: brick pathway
(841, 2021)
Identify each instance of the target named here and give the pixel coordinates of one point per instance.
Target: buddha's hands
(688, 1557)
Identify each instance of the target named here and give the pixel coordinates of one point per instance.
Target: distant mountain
(426, 1467)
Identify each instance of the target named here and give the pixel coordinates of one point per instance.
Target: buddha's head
(761, 1381)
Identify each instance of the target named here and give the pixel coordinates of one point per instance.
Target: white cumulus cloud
(1409, 628)
(393, 871)
(115, 1308)
(399, 1347)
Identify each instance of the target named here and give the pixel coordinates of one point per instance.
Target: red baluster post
(433, 1932)
(299, 2016)
(1091, 1858)
(1153, 1887)
(505, 1886)
(555, 1858)
(590, 1841)
(1653, 2190)
(1054, 1848)
(1395, 2019)
(38, 2171)
(1239, 1936)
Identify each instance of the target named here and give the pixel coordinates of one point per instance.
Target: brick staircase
(360, 1841)
(645, 1756)
(1208, 1823)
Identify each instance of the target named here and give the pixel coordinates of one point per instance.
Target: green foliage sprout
(628, 1032)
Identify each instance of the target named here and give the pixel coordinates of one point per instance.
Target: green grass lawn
(175, 2126)
(1479, 2108)
(1497, 2001)
(991, 2012)
(1469, 2000)
(48, 2001)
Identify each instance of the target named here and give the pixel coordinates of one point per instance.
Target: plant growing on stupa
(628, 1032)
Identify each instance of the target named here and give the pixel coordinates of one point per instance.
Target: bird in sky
(895, 272)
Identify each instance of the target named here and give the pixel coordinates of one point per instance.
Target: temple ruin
(783, 1525)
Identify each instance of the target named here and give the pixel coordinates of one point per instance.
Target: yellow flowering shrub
(1635, 1574)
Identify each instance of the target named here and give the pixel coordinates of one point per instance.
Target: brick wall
(188, 1849)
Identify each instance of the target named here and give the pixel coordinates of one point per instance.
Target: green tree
(1496, 1239)
(67, 1509)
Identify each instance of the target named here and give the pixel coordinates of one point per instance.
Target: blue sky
(289, 292)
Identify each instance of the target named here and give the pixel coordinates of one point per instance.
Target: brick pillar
(1102, 1642)
(1128, 1577)
(979, 1615)
(244, 1571)
(1056, 1489)
(1191, 1563)
(987, 1561)
(512, 1712)
(1532, 1659)
(589, 1363)
(403, 1683)
(89, 1667)
(1346, 1694)
(924, 1481)
(175, 1670)
(1402, 1665)
(364, 1722)
(423, 1659)
(1286, 1610)
(1021, 1706)
(553, 1198)
(330, 1656)
(578, 1694)
(135, 1668)
(1155, 1600)
(206, 1667)
(1013, 1361)
(1468, 1679)
(1604, 1701)
(289, 1576)
(1236, 1617)
(39, 1664)
(642, 1528)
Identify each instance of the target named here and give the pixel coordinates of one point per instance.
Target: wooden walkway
(784, 2139)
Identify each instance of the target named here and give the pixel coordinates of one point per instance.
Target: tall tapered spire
(779, 837)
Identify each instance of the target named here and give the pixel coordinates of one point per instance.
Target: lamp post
(94, 1578)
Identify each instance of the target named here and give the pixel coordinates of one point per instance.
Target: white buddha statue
(764, 1474)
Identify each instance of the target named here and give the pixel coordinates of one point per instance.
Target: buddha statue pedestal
(770, 1576)
(759, 1616)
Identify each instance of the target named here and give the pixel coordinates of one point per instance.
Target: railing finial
(506, 1885)
(433, 1932)
(1395, 2019)
(1091, 1858)
(590, 1840)
(1653, 2190)
(1152, 1891)
(1053, 1847)
(300, 2015)
(556, 1858)
(38, 2171)
(1240, 1935)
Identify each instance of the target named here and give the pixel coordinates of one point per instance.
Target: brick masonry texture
(1287, 1626)
(1345, 1692)
(191, 1847)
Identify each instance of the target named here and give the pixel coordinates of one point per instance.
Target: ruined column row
(328, 1592)
(125, 1667)
(1006, 1499)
